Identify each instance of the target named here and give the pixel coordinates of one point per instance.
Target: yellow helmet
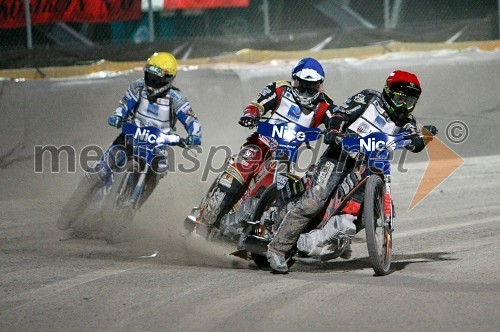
(159, 73)
(162, 63)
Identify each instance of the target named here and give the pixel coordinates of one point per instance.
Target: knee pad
(309, 206)
(248, 159)
(115, 158)
(231, 181)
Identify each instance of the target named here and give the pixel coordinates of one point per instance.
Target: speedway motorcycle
(286, 138)
(110, 208)
(376, 216)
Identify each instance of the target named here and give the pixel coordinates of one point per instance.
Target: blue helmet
(307, 77)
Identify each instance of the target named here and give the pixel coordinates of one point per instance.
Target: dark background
(294, 25)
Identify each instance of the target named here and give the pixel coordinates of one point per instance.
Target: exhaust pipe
(256, 245)
(189, 223)
(190, 220)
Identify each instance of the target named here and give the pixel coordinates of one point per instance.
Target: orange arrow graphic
(442, 162)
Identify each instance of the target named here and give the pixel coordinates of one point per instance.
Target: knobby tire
(378, 237)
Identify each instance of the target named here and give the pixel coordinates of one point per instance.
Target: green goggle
(155, 70)
(402, 100)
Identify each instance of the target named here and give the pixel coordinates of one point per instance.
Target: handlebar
(398, 141)
(150, 136)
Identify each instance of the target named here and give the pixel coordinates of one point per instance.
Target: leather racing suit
(363, 114)
(163, 113)
(277, 99)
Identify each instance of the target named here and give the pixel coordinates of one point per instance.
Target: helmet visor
(156, 81)
(403, 100)
(306, 87)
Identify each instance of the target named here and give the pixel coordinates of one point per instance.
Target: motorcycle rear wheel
(267, 200)
(378, 235)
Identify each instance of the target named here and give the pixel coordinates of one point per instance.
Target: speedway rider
(366, 112)
(149, 101)
(301, 100)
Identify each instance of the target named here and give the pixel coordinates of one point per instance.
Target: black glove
(182, 143)
(415, 140)
(248, 121)
(333, 137)
(432, 129)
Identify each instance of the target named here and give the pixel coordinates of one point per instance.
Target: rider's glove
(182, 143)
(193, 140)
(115, 121)
(168, 139)
(248, 121)
(432, 129)
(429, 132)
(333, 137)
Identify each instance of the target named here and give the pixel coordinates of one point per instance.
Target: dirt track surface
(446, 250)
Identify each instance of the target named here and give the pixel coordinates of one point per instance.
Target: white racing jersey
(363, 114)
(289, 111)
(162, 114)
(373, 120)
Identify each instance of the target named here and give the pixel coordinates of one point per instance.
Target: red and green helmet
(400, 95)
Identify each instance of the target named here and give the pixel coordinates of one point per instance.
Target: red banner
(74, 11)
(199, 4)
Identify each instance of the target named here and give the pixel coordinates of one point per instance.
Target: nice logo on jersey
(145, 135)
(371, 145)
(287, 134)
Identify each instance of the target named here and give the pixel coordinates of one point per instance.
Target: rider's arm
(266, 100)
(350, 110)
(130, 99)
(186, 115)
(417, 143)
(324, 111)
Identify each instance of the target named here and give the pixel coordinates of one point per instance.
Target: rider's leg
(328, 174)
(97, 174)
(339, 227)
(159, 168)
(319, 241)
(231, 185)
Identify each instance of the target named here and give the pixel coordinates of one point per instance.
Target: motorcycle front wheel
(378, 234)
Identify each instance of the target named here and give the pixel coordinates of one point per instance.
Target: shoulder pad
(363, 97)
(283, 83)
(176, 94)
(323, 96)
(137, 84)
(370, 93)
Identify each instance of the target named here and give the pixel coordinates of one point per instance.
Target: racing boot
(319, 242)
(277, 260)
(346, 254)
